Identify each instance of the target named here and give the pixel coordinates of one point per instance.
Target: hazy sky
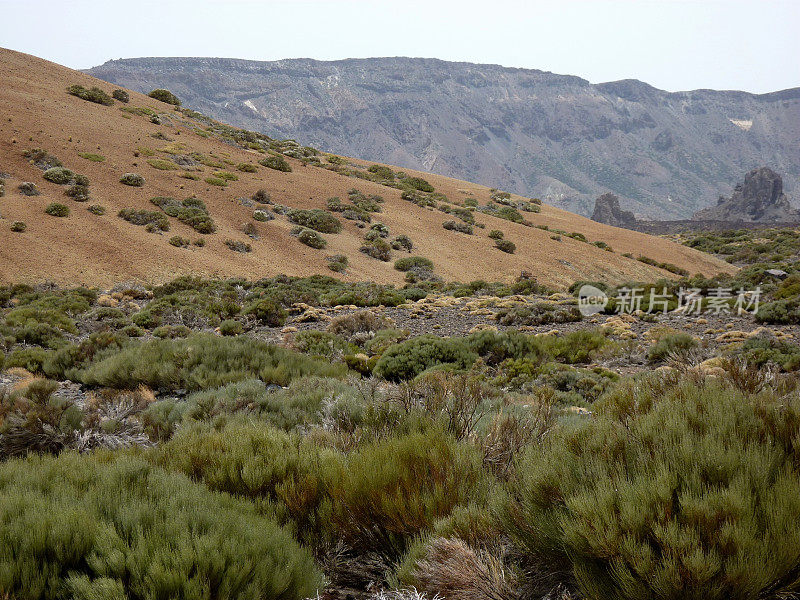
(751, 45)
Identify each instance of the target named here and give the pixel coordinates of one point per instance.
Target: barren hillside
(38, 113)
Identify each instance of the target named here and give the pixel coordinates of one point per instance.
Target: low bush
(54, 209)
(410, 262)
(85, 527)
(238, 246)
(394, 490)
(263, 215)
(247, 168)
(408, 359)
(132, 179)
(456, 226)
(179, 242)
(97, 209)
(382, 172)
(28, 188)
(165, 96)
(674, 344)
(337, 263)
(94, 94)
(311, 239)
(403, 242)
(378, 249)
(18, 226)
(121, 95)
(78, 192)
(316, 219)
(417, 183)
(92, 157)
(506, 246)
(267, 312)
(230, 327)
(276, 162)
(655, 497)
(261, 196)
(58, 175)
(539, 313)
(198, 362)
(155, 221)
(496, 234)
(191, 211)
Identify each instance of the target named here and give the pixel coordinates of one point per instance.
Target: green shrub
(456, 226)
(671, 344)
(18, 226)
(179, 242)
(383, 172)
(261, 196)
(403, 242)
(83, 527)
(337, 263)
(230, 327)
(506, 246)
(55, 209)
(496, 234)
(412, 262)
(78, 192)
(761, 351)
(97, 209)
(155, 221)
(247, 168)
(311, 239)
(165, 96)
(276, 162)
(417, 183)
(394, 490)
(191, 211)
(779, 312)
(378, 249)
(538, 313)
(28, 188)
(59, 175)
(199, 361)
(132, 179)
(238, 246)
(267, 312)
(121, 95)
(262, 215)
(408, 359)
(162, 165)
(216, 181)
(673, 489)
(226, 175)
(94, 94)
(316, 219)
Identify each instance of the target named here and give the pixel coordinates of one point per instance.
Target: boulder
(760, 199)
(608, 211)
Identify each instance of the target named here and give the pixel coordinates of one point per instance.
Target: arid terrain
(90, 249)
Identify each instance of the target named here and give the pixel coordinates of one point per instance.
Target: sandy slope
(36, 111)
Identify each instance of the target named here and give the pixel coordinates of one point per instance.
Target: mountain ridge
(533, 132)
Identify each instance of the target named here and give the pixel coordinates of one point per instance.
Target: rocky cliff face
(544, 135)
(608, 211)
(760, 199)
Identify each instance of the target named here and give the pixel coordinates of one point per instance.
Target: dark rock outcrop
(555, 137)
(760, 199)
(608, 211)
